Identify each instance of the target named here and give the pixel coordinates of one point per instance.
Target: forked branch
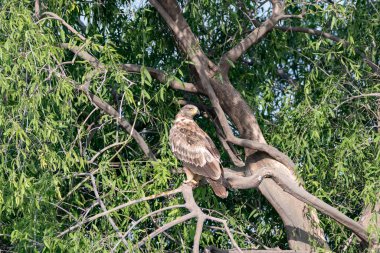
(288, 185)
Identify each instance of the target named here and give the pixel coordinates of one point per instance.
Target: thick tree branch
(200, 62)
(132, 68)
(288, 185)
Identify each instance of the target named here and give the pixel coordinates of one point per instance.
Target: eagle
(200, 158)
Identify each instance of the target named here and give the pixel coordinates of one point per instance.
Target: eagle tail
(218, 188)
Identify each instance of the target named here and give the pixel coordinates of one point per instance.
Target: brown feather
(218, 188)
(197, 151)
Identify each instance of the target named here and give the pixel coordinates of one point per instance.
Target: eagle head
(188, 111)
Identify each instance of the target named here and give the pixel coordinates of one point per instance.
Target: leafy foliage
(49, 130)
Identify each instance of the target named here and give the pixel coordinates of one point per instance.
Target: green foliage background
(48, 129)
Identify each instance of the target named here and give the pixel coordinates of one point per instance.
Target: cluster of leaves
(49, 130)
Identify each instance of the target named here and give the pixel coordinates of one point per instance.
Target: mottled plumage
(196, 150)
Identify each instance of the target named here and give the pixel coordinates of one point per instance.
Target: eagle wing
(195, 149)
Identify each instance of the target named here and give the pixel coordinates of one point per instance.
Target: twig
(110, 220)
(106, 148)
(56, 17)
(358, 96)
(132, 202)
(143, 218)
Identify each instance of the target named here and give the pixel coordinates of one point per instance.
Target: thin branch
(143, 218)
(374, 67)
(132, 202)
(110, 220)
(198, 233)
(133, 68)
(106, 148)
(166, 227)
(358, 96)
(254, 37)
(108, 109)
(161, 77)
(37, 8)
(56, 17)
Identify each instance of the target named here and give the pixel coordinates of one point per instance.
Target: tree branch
(108, 109)
(236, 52)
(132, 68)
(374, 67)
(162, 78)
(56, 17)
(288, 185)
(111, 221)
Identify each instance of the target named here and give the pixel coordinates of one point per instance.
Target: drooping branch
(56, 17)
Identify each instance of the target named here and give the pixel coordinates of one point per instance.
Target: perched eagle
(196, 150)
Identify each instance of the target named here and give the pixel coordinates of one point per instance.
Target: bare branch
(143, 218)
(288, 185)
(198, 233)
(37, 8)
(166, 227)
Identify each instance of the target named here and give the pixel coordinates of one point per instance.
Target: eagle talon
(190, 181)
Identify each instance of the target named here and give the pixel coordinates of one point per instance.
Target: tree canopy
(288, 89)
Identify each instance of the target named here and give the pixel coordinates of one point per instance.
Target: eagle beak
(197, 112)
